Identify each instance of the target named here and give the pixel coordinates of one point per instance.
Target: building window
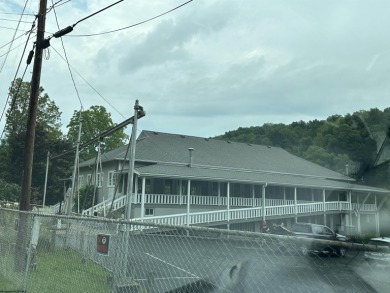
(149, 212)
(112, 176)
(99, 179)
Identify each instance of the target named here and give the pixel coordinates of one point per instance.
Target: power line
(16, 73)
(29, 38)
(13, 39)
(19, 14)
(14, 20)
(66, 57)
(97, 12)
(12, 29)
(94, 89)
(133, 25)
(69, 68)
(57, 4)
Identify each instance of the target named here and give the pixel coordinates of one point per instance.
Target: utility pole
(76, 162)
(22, 241)
(32, 111)
(133, 141)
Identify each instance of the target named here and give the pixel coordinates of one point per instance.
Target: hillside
(346, 144)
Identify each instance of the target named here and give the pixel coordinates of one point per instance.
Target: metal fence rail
(47, 253)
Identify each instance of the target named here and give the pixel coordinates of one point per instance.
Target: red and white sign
(103, 242)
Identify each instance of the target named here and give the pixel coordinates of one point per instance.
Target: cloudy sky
(209, 66)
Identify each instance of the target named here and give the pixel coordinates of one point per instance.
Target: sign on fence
(103, 241)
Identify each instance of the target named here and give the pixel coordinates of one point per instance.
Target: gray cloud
(213, 66)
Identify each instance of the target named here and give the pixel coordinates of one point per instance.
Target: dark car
(319, 232)
(280, 230)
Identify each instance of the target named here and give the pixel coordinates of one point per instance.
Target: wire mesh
(51, 253)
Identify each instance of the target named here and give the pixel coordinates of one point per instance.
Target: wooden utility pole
(32, 111)
(23, 227)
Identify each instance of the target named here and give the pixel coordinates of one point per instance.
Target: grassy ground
(5, 285)
(63, 271)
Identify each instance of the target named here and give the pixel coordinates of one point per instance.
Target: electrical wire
(18, 46)
(55, 5)
(12, 29)
(13, 38)
(94, 89)
(13, 102)
(85, 18)
(17, 91)
(14, 20)
(133, 25)
(66, 57)
(19, 14)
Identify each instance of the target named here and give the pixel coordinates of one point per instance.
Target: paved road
(234, 265)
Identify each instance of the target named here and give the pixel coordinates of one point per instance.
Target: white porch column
(253, 195)
(228, 205)
(188, 201)
(219, 193)
(263, 199)
(377, 225)
(284, 195)
(181, 192)
(136, 189)
(323, 204)
(296, 204)
(358, 215)
(349, 199)
(376, 219)
(312, 195)
(143, 199)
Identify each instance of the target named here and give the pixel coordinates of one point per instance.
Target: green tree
(95, 120)
(9, 191)
(328, 160)
(48, 114)
(48, 137)
(85, 196)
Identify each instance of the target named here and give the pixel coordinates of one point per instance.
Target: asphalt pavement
(172, 263)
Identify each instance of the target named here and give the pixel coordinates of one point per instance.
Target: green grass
(64, 271)
(6, 285)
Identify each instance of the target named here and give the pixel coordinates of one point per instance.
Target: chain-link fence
(47, 253)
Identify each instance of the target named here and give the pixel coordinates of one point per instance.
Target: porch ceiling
(250, 177)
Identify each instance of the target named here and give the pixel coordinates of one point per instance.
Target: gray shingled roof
(214, 159)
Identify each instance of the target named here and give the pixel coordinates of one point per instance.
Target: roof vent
(183, 136)
(229, 141)
(249, 144)
(190, 150)
(268, 146)
(155, 132)
(206, 139)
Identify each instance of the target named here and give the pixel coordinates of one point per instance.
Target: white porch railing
(166, 199)
(250, 213)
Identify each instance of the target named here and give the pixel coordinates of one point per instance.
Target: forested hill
(352, 140)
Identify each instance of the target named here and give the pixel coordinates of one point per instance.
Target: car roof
(381, 239)
(308, 224)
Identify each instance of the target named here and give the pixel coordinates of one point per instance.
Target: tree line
(49, 137)
(346, 144)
